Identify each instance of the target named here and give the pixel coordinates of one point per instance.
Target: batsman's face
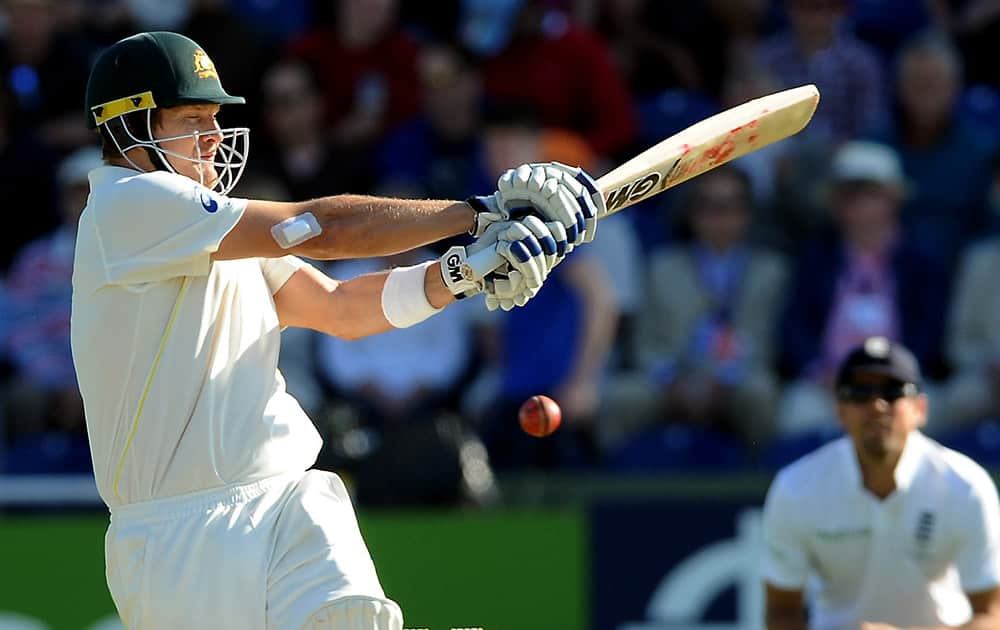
(880, 422)
(196, 137)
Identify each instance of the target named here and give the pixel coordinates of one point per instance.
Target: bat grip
(481, 263)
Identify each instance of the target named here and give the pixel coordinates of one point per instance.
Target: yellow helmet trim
(112, 109)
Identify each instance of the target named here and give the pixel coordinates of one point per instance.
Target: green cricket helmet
(136, 75)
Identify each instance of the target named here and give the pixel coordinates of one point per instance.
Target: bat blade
(699, 148)
(707, 144)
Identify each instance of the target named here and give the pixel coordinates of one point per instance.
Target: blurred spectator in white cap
(862, 280)
(45, 426)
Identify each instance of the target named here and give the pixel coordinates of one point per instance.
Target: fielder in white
(179, 296)
(883, 527)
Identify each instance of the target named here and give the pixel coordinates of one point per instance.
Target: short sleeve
(978, 558)
(277, 271)
(786, 558)
(156, 226)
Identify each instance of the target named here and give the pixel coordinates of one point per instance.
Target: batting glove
(585, 192)
(529, 250)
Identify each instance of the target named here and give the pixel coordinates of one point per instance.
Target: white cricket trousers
(264, 555)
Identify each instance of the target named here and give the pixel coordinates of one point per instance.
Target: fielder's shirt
(905, 560)
(177, 355)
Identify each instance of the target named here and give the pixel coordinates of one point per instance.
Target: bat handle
(481, 263)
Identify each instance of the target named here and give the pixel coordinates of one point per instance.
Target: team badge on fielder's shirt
(203, 65)
(923, 533)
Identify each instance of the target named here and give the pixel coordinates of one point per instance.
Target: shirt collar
(850, 460)
(906, 467)
(909, 460)
(109, 172)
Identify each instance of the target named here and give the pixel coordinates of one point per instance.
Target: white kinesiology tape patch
(296, 230)
(404, 301)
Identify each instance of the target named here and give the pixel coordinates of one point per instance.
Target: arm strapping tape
(404, 302)
(296, 230)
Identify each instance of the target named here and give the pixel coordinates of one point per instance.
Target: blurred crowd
(700, 328)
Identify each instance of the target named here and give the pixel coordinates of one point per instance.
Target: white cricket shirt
(177, 355)
(905, 560)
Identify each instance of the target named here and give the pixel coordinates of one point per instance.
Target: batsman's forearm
(358, 226)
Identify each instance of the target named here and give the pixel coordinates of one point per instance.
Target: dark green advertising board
(509, 570)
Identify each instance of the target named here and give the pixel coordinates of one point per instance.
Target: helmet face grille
(229, 161)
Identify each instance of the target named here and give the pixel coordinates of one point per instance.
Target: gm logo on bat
(633, 191)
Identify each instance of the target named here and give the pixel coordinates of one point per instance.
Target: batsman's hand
(566, 198)
(586, 194)
(529, 250)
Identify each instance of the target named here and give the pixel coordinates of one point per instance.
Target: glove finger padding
(506, 292)
(585, 192)
(527, 186)
(524, 253)
(543, 233)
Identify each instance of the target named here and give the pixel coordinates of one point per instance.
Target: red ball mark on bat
(725, 151)
(685, 148)
(752, 139)
(720, 153)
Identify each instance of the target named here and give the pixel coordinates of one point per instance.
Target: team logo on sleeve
(203, 65)
(209, 203)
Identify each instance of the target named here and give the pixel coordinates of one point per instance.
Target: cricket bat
(699, 148)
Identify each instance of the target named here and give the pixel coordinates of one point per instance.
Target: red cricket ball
(539, 416)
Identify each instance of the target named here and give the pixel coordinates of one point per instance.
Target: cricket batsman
(180, 293)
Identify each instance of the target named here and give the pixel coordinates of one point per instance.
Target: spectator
(946, 160)
(44, 410)
(976, 25)
(366, 65)
(576, 310)
(440, 153)
(886, 24)
(574, 81)
(26, 181)
(816, 49)
(707, 329)
(281, 21)
(375, 374)
(972, 339)
(240, 49)
(46, 69)
(298, 154)
(662, 46)
(867, 279)
(406, 417)
(887, 528)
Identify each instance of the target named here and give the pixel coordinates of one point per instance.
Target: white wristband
(404, 301)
